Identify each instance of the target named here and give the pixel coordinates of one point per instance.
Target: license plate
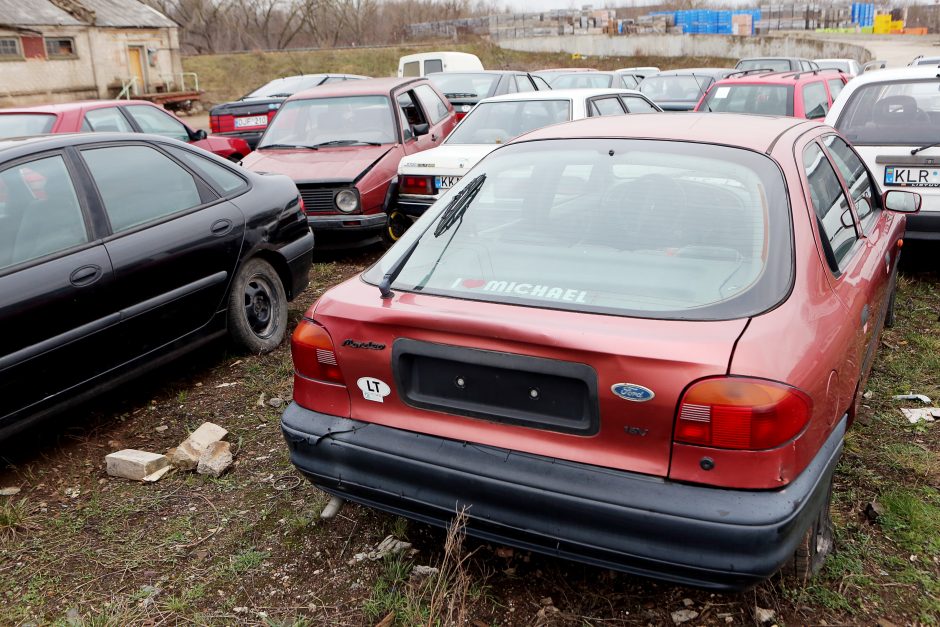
(445, 182)
(912, 177)
(255, 120)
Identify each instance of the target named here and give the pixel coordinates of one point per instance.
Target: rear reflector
(417, 185)
(312, 351)
(741, 414)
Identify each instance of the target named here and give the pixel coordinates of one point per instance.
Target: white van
(424, 63)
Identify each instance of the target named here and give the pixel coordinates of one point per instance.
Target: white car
(425, 176)
(424, 63)
(892, 117)
(847, 66)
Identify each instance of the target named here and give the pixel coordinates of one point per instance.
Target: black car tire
(257, 308)
(816, 544)
(395, 227)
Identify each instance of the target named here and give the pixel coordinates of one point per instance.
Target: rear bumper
(923, 226)
(350, 222)
(714, 538)
(251, 137)
(414, 207)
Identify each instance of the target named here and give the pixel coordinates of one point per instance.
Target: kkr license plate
(912, 176)
(255, 120)
(445, 182)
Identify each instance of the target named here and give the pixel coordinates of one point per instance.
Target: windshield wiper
(461, 94)
(287, 146)
(916, 150)
(345, 142)
(451, 214)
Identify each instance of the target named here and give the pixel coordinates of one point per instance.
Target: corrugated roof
(108, 13)
(34, 13)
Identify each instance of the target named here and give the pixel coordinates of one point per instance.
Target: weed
(247, 560)
(912, 518)
(15, 518)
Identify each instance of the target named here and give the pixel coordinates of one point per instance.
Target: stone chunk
(215, 459)
(186, 455)
(134, 464)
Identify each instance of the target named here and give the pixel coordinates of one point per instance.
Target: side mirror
(901, 201)
(199, 135)
(421, 129)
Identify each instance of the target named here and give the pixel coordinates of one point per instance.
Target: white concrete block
(134, 464)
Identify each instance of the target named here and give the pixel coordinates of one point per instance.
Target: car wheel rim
(260, 306)
(397, 225)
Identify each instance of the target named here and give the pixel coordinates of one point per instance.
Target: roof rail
(762, 70)
(796, 75)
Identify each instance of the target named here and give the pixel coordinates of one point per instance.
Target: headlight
(347, 201)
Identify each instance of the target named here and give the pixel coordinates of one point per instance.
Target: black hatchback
(119, 253)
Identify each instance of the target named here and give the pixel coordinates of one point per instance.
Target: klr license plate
(912, 176)
(445, 182)
(255, 120)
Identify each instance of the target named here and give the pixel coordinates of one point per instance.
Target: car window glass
(411, 112)
(24, 124)
(523, 83)
(153, 120)
(39, 211)
(107, 119)
(432, 103)
(496, 122)
(411, 69)
(835, 87)
(629, 81)
(856, 178)
(766, 99)
(540, 82)
(637, 105)
(833, 214)
(901, 112)
(433, 65)
(131, 199)
(607, 106)
(815, 100)
(334, 79)
(582, 80)
(217, 175)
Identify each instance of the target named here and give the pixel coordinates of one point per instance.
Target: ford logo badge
(632, 392)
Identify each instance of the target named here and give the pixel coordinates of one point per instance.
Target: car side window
(153, 120)
(333, 79)
(606, 106)
(432, 103)
(635, 104)
(130, 199)
(219, 176)
(540, 83)
(107, 120)
(856, 178)
(831, 207)
(411, 113)
(411, 69)
(815, 100)
(39, 211)
(835, 87)
(433, 65)
(629, 81)
(523, 83)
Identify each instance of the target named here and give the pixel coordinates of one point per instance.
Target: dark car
(120, 253)
(342, 143)
(465, 89)
(248, 116)
(680, 90)
(777, 64)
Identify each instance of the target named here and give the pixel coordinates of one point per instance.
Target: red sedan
(631, 341)
(124, 116)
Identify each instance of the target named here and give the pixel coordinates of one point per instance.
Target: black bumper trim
(923, 226)
(695, 535)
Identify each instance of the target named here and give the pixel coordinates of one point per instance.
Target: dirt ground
(81, 548)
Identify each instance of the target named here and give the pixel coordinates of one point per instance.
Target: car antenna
(701, 91)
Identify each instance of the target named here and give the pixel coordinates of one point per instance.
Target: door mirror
(421, 129)
(900, 201)
(198, 135)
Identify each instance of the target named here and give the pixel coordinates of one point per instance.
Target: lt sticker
(373, 389)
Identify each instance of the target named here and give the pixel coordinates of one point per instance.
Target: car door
(436, 111)
(55, 278)
(411, 115)
(174, 243)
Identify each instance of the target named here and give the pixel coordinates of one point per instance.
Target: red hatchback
(800, 94)
(635, 342)
(341, 144)
(121, 116)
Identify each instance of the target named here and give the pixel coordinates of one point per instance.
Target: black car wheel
(257, 307)
(817, 543)
(396, 226)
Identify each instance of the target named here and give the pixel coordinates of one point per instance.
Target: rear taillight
(459, 115)
(312, 351)
(214, 123)
(303, 207)
(423, 185)
(741, 414)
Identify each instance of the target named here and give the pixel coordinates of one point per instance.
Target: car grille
(318, 199)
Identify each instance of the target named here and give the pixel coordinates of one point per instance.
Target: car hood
(326, 164)
(446, 160)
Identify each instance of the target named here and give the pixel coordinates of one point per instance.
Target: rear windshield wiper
(451, 214)
(345, 142)
(461, 94)
(916, 150)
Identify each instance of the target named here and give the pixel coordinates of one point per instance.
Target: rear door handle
(221, 227)
(85, 275)
(433, 137)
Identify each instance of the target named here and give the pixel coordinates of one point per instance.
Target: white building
(64, 50)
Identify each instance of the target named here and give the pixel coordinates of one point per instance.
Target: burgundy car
(120, 116)
(341, 144)
(632, 341)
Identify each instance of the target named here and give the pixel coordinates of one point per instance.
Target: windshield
(284, 87)
(764, 99)
(363, 119)
(454, 85)
(581, 80)
(498, 122)
(682, 87)
(656, 229)
(898, 113)
(777, 65)
(23, 124)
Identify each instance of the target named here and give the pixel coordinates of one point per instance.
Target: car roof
(497, 72)
(62, 107)
(438, 53)
(757, 132)
(15, 147)
(789, 77)
(773, 59)
(887, 75)
(562, 94)
(367, 87)
(704, 71)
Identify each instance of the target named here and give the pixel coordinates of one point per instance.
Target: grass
(15, 518)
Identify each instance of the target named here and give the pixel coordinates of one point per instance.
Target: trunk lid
(880, 158)
(532, 380)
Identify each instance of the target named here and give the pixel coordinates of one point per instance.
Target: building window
(60, 47)
(9, 48)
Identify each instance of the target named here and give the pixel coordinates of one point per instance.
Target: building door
(135, 62)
